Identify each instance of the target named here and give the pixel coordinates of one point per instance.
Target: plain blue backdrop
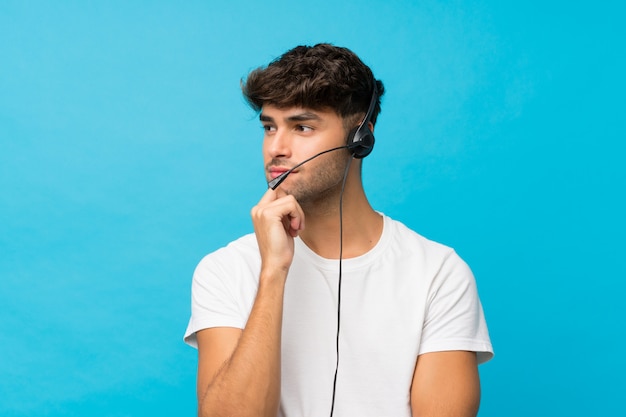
(127, 153)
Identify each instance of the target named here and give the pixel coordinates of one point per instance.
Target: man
(331, 308)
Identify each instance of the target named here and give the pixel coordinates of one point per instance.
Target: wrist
(273, 274)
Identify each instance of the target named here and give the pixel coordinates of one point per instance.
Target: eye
(303, 128)
(269, 128)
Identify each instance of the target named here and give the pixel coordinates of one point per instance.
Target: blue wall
(127, 153)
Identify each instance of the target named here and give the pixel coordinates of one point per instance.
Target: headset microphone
(278, 180)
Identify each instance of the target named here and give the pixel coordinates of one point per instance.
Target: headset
(361, 138)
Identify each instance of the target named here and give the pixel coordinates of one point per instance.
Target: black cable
(343, 186)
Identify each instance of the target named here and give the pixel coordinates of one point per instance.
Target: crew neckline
(349, 264)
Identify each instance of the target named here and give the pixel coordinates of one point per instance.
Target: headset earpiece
(361, 138)
(361, 141)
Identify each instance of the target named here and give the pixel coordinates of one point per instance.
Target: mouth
(275, 172)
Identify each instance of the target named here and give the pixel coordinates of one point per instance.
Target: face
(295, 134)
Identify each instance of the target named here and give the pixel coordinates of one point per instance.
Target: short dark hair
(316, 77)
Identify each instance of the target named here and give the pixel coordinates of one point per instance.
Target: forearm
(248, 384)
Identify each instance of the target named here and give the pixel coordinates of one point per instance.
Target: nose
(278, 144)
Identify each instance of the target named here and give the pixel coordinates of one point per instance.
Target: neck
(362, 226)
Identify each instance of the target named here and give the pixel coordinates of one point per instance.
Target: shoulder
(239, 255)
(240, 249)
(410, 243)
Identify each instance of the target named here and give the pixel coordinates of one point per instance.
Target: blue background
(127, 153)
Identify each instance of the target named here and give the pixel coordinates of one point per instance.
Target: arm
(446, 384)
(239, 370)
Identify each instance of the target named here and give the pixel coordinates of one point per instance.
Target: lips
(278, 171)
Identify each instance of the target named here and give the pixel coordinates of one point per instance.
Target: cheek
(265, 150)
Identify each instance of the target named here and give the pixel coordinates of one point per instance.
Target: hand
(277, 219)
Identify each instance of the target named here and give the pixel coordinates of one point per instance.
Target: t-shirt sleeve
(454, 318)
(213, 300)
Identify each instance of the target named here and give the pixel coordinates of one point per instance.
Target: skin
(231, 362)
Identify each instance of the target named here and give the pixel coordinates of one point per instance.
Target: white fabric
(405, 297)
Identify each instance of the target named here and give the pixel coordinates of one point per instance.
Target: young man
(331, 308)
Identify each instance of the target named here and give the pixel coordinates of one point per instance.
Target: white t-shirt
(405, 297)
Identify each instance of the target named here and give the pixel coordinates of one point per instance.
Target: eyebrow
(300, 117)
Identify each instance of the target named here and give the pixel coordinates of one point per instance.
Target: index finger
(269, 196)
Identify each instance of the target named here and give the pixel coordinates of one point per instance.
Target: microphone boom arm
(273, 184)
